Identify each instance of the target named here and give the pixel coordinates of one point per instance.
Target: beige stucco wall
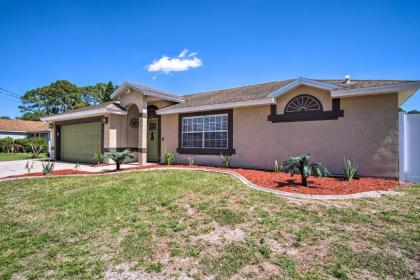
(367, 134)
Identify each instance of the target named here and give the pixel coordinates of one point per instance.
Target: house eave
(258, 102)
(84, 114)
(337, 93)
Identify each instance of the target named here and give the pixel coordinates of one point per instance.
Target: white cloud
(183, 62)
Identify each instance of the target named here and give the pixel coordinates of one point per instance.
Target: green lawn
(18, 156)
(195, 224)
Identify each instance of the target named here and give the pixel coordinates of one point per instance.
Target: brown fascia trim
(75, 121)
(207, 151)
(307, 116)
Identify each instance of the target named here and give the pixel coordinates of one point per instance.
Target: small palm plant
(304, 166)
(98, 157)
(118, 157)
(350, 169)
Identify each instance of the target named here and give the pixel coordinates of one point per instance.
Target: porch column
(142, 153)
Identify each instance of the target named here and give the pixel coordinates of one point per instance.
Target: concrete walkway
(20, 165)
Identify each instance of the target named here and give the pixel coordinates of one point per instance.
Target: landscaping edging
(241, 178)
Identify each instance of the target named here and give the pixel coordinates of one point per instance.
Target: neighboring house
(18, 129)
(255, 124)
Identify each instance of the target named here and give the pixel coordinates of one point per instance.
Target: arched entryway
(153, 134)
(133, 115)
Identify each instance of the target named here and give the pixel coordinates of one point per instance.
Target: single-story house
(18, 129)
(254, 124)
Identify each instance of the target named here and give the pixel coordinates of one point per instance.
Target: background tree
(99, 93)
(5, 118)
(61, 96)
(413, 112)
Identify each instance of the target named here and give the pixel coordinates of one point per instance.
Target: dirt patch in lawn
(221, 235)
(274, 180)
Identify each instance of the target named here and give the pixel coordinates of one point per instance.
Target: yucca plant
(118, 157)
(304, 166)
(277, 167)
(225, 160)
(29, 166)
(191, 161)
(350, 169)
(168, 158)
(47, 167)
(98, 157)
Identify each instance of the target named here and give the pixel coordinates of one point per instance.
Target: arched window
(151, 112)
(303, 103)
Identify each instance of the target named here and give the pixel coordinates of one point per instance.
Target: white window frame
(203, 132)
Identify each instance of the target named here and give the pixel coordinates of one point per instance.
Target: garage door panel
(79, 142)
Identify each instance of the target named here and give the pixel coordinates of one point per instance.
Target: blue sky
(237, 42)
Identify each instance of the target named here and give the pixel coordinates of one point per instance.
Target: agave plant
(304, 166)
(118, 157)
(47, 167)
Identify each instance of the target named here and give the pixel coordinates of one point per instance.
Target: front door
(152, 140)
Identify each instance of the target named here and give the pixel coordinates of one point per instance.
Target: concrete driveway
(17, 167)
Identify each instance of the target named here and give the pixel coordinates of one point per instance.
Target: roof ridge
(152, 89)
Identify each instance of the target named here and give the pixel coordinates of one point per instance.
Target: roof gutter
(83, 114)
(258, 102)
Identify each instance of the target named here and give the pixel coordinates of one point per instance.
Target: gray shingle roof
(243, 93)
(260, 91)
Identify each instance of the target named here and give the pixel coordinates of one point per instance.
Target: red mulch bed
(276, 181)
(316, 185)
